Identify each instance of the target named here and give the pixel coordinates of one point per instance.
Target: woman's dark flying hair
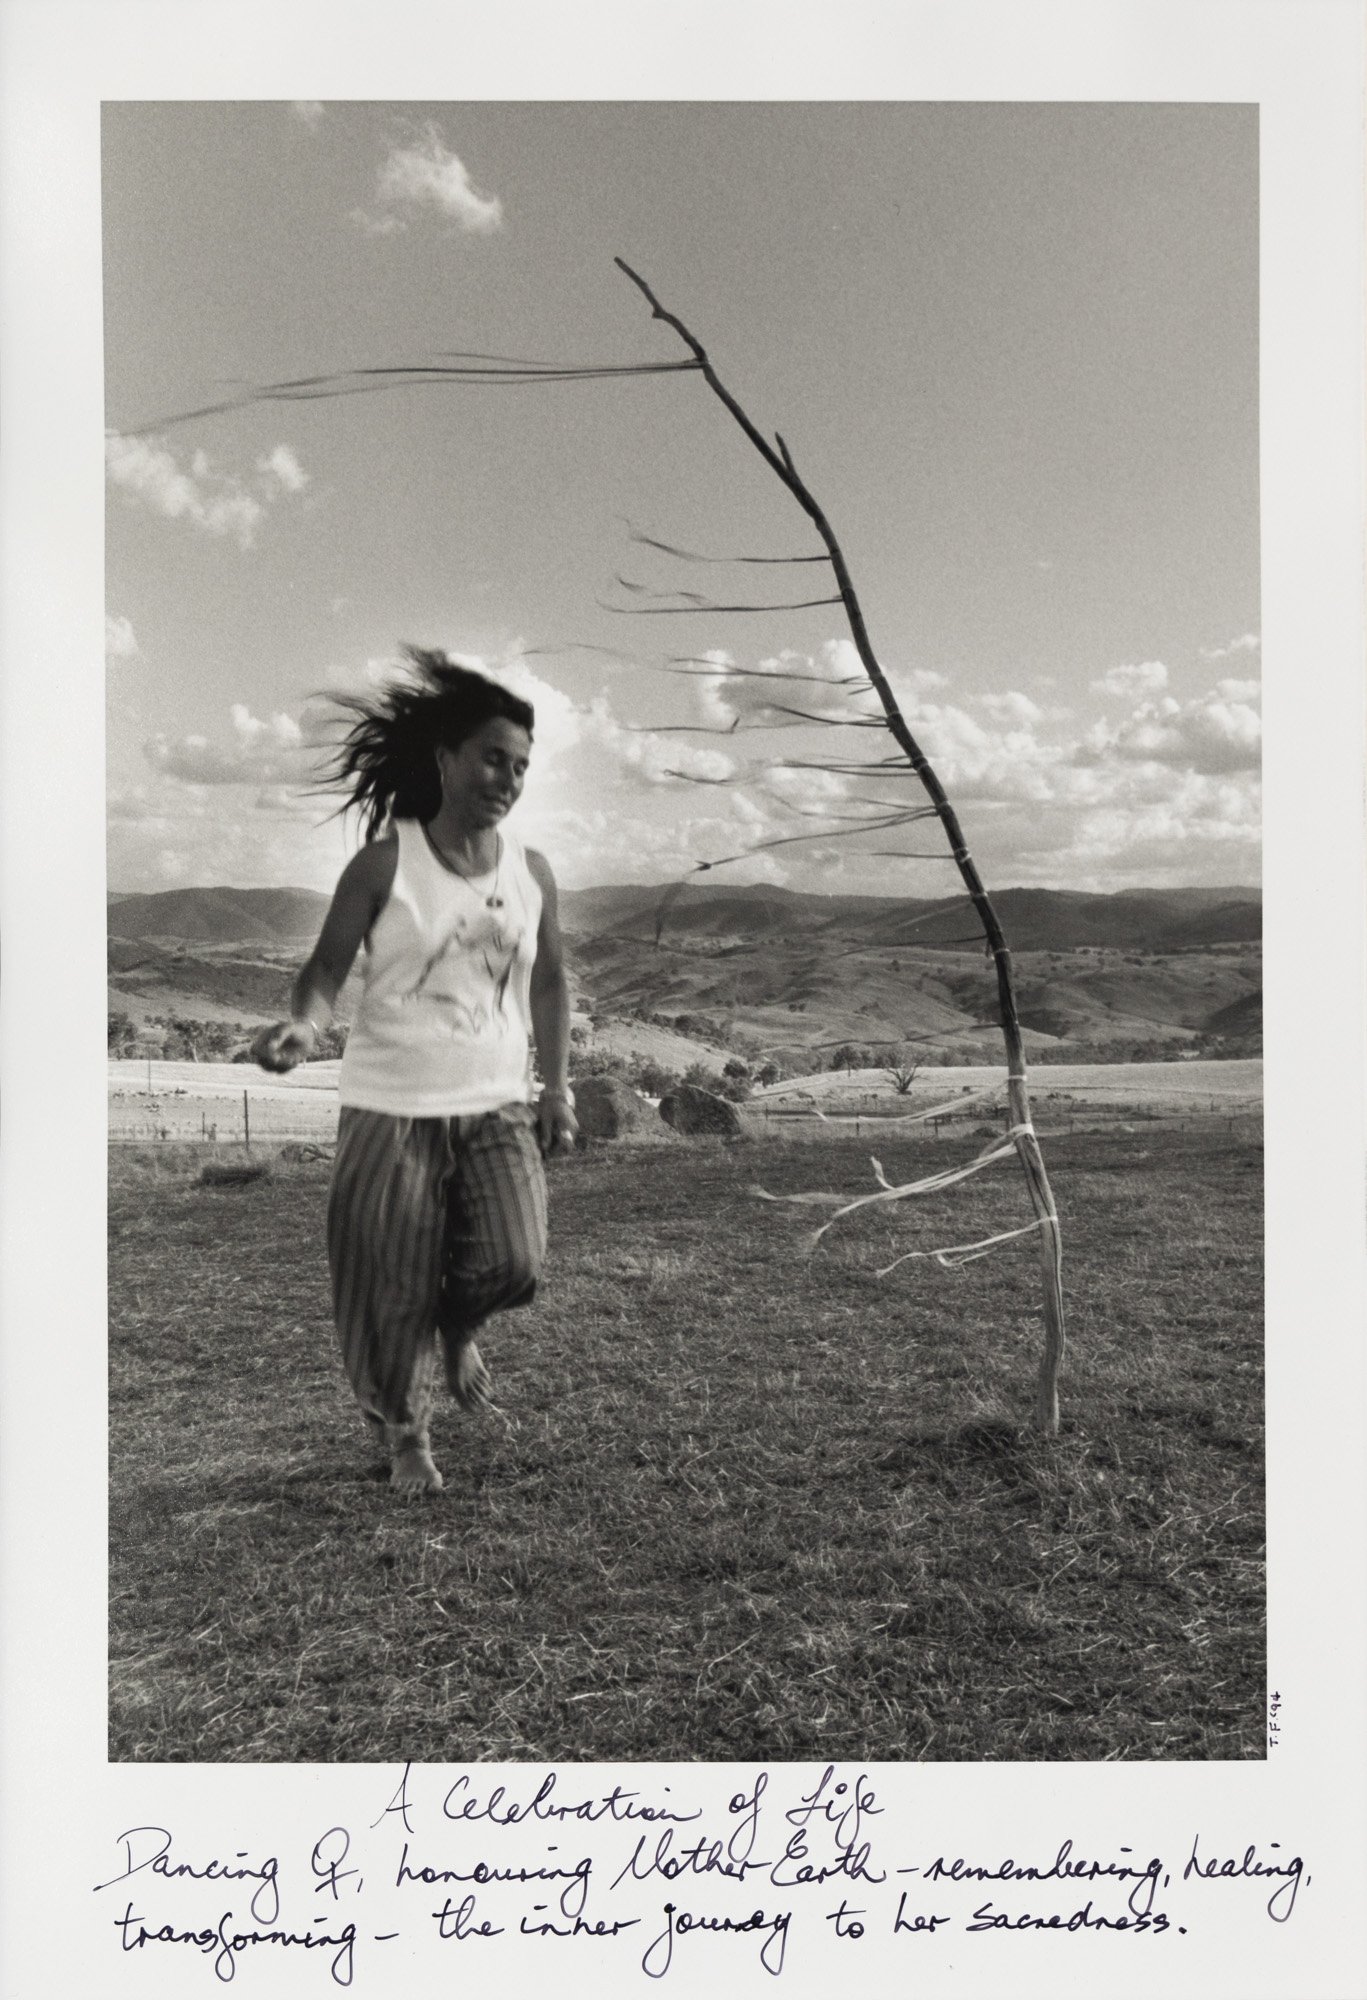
(386, 762)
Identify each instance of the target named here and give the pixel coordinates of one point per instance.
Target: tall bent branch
(780, 462)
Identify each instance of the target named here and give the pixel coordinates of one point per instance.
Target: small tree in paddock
(912, 759)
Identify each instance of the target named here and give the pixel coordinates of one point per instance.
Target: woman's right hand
(284, 1044)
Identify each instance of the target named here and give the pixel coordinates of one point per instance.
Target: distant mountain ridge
(754, 968)
(1033, 919)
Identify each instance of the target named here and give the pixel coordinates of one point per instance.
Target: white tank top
(444, 1025)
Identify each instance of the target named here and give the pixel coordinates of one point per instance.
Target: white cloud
(308, 110)
(365, 678)
(284, 469)
(259, 753)
(218, 502)
(176, 835)
(1171, 789)
(149, 474)
(570, 741)
(377, 225)
(1121, 826)
(1017, 709)
(1130, 683)
(287, 801)
(1215, 733)
(1040, 803)
(1202, 829)
(134, 805)
(281, 730)
(657, 756)
(910, 683)
(1166, 793)
(830, 685)
(120, 640)
(797, 784)
(999, 757)
(752, 794)
(1247, 642)
(428, 174)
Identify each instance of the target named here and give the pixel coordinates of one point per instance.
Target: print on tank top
(464, 983)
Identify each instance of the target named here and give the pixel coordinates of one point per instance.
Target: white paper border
(1303, 66)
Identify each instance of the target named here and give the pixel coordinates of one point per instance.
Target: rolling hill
(1033, 919)
(760, 968)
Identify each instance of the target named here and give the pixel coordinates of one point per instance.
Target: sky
(1012, 349)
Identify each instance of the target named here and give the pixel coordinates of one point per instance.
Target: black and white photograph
(682, 1254)
(654, 735)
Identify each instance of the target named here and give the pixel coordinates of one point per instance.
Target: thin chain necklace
(493, 901)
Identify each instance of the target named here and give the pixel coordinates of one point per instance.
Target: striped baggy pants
(433, 1224)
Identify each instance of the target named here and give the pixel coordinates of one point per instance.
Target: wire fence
(271, 1117)
(1051, 1120)
(266, 1116)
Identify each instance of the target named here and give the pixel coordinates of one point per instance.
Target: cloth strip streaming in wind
(701, 604)
(447, 371)
(950, 1255)
(691, 555)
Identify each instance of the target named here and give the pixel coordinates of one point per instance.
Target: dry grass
(233, 1173)
(753, 1506)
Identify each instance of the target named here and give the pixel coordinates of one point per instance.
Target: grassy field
(751, 1505)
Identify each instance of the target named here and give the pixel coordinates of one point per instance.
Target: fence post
(246, 1122)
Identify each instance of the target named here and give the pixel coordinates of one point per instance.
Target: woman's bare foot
(411, 1469)
(466, 1375)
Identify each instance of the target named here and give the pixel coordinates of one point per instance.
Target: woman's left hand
(556, 1125)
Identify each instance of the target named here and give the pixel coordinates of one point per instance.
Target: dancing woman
(437, 1211)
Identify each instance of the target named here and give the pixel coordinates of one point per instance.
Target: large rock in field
(692, 1110)
(607, 1108)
